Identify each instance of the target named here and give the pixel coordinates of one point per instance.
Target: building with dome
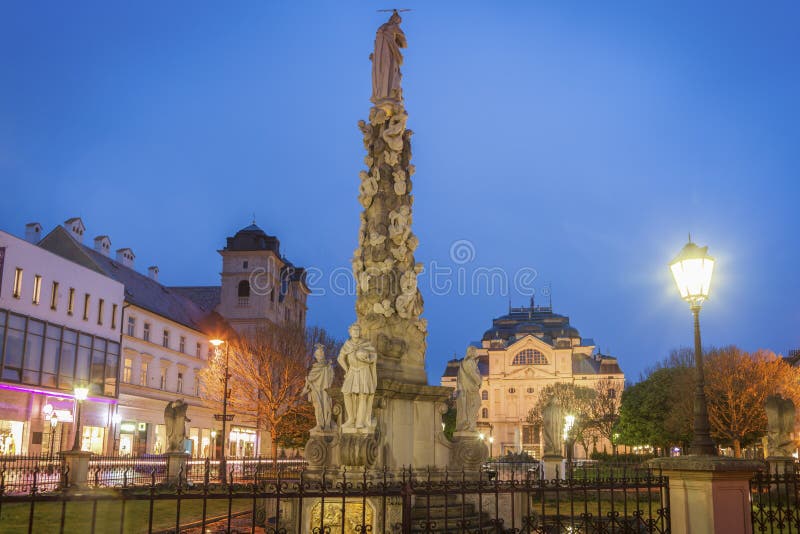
(524, 351)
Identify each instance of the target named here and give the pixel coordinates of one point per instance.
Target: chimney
(102, 244)
(75, 228)
(152, 272)
(126, 256)
(33, 232)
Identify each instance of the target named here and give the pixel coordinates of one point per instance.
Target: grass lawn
(78, 517)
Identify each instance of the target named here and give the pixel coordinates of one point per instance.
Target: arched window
(244, 288)
(529, 357)
(512, 390)
(484, 395)
(485, 413)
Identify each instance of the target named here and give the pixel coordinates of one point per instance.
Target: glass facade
(37, 353)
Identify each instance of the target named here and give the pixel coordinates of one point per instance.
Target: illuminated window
(17, 283)
(37, 288)
(143, 374)
(127, 370)
(529, 357)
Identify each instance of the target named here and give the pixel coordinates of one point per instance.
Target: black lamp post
(692, 269)
(223, 475)
(80, 395)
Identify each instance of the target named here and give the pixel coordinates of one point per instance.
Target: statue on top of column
(386, 61)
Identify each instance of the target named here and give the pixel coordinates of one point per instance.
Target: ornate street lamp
(81, 393)
(222, 464)
(692, 269)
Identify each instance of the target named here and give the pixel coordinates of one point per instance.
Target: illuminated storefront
(242, 442)
(93, 439)
(12, 437)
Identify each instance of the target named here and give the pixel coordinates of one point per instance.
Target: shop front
(132, 438)
(242, 442)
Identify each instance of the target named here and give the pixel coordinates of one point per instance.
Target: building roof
(253, 238)
(140, 290)
(535, 320)
(451, 369)
(207, 297)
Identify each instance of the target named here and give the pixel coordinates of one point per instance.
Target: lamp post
(569, 422)
(222, 465)
(692, 269)
(53, 424)
(81, 393)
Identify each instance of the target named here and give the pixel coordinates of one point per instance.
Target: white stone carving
(358, 359)
(468, 398)
(319, 379)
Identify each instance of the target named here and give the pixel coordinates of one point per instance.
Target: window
(165, 339)
(146, 333)
(512, 390)
(131, 326)
(54, 296)
(182, 344)
(529, 357)
(198, 350)
(529, 390)
(484, 395)
(179, 388)
(127, 370)
(485, 413)
(163, 378)
(612, 393)
(86, 298)
(143, 374)
(100, 305)
(113, 317)
(244, 264)
(37, 288)
(196, 384)
(71, 301)
(243, 289)
(17, 283)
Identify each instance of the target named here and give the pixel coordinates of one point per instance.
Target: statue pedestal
(469, 452)
(780, 465)
(554, 467)
(176, 466)
(77, 468)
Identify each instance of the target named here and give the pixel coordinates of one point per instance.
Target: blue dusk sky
(571, 145)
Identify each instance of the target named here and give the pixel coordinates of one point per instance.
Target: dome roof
(253, 238)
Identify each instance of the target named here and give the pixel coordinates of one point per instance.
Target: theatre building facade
(526, 350)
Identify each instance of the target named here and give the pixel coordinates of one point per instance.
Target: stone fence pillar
(709, 494)
(77, 463)
(176, 466)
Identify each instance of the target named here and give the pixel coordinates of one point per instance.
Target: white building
(59, 328)
(525, 351)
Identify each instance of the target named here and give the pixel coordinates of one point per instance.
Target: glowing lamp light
(569, 421)
(116, 418)
(81, 393)
(47, 409)
(53, 420)
(692, 269)
(481, 436)
(491, 439)
(216, 342)
(213, 434)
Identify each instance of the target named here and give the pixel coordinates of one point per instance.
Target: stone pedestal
(468, 453)
(553, 467)
(780, 465)
(176, 466)
(709, 494)
(77, 468)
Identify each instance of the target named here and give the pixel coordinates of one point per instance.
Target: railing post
(709, 494)
(407, 493)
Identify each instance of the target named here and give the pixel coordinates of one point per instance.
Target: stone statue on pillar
(319, 379)
(552, 427)
(358, 360)
(386, 61)
(175, 422)
(468, 396)
(780, 425)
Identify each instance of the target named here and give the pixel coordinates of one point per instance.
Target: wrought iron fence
(19, 474)
(774, 498)
(385, 501)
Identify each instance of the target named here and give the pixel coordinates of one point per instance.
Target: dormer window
(529, 357)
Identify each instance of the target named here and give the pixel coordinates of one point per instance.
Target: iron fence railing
(385, 501)
(774, 499)
(19, 474)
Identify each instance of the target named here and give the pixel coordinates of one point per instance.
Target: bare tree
(604, 408)
(267, 371)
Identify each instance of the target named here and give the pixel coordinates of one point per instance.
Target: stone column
(709, 494)
(553, 466)
(77, 468)
(176, 466)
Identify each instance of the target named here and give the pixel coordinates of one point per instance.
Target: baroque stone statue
(386, 61)
(468, 396)
(780, 425)
(358, 358)
(319, 379)
(552, 426)
(175, 422)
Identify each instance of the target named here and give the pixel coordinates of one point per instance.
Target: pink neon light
(62, 394)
